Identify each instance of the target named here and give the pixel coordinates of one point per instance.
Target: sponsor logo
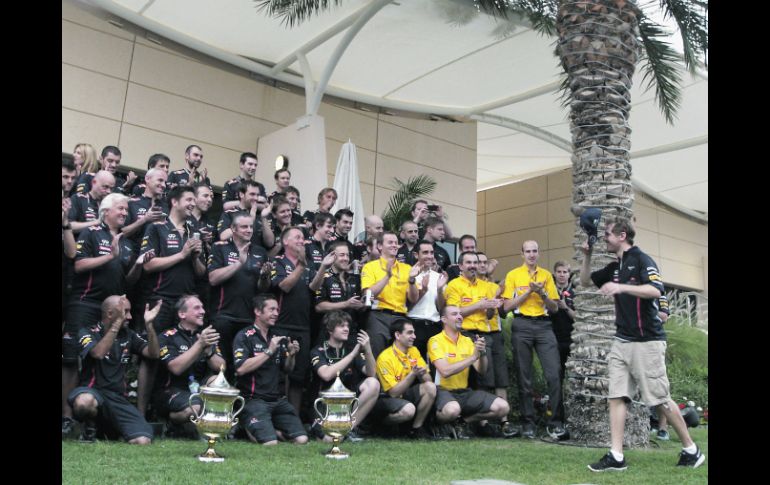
(184, 348)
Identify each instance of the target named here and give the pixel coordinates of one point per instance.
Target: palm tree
(400, 204)
(600, 43)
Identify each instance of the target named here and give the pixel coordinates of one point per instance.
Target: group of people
(285, 302)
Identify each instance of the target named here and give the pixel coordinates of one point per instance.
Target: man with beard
(407, 253)
(341, 289)
(193, 157)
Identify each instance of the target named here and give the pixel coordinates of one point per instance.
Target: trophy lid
(220, 386)
(338, 390)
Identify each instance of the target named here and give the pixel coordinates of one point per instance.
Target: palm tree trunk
(599, 50)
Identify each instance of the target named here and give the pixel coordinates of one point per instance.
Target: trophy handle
(354, 408)
(243, 405)
(203, 407)
(320, 414)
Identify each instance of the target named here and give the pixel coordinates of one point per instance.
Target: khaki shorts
(639, 366)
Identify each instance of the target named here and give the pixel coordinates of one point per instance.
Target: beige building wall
(538, 209)
(120, 89)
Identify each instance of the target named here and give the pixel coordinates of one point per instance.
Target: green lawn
(373, 461)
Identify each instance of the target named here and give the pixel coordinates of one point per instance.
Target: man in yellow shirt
(530, 292)
(390, 283)
(407, 391)
(453, 354)
(478, 301)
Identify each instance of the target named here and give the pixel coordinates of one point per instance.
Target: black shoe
(528, 431)
(693, 460)
(461, 431)
(489, 430)
(316, 431)
(442, 431)
(421, 434)
(354, 437)
(66, 426)
(88, 434)
(509, 430)
(556, 432)
(608, 463)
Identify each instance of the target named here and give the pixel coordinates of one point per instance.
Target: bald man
(104, 349)
(373, 227)
(84, 208)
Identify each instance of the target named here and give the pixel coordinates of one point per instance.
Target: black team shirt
(110, 372)
(106, 280)
(266, 382)
(296, 304)
(233, 298)
(175, 342)
(166, 241)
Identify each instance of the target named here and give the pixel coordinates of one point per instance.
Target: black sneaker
(316, 431)
(354, 437)
(461, 430)
(66, 426)
(528, 431)
(489, 430)
(608, 463)
(556, 432)
(693, 460)
(88, 434)
(421, 434)
(509, 430)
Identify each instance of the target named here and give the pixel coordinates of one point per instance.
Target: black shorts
(173, 400)
(497, 365)
(262, 418)
(471, 402)
(387, 405)
(79, 315)
(116, 411)
(301, 372)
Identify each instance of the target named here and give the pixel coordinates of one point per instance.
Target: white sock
(690, 449)
(617, 456)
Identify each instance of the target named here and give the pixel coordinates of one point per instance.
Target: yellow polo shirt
(393, 365)
(517, 282)
(393, 296)
(441, 346)
(461, 292)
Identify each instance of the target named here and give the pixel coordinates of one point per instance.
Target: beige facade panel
(78, 12)
(509, 244)
(641, 199)
(138, 143)
(563, 254)
(450, 189)
(408, 145)
(481, 243)
(342, 125)
(561, 235)
(97, 51)
(682, 251)
(558, 210)
(90, 92)
(681, 228)
(505, 264)
(679, 274)
(518, 218)
(183, 117)
(457, 133)
(560, 184)
(365, 160)
(481, 202)
(646, 217)
(648, 241)
(480, 226)
(80, 127)
(520, 194)
(367, 197)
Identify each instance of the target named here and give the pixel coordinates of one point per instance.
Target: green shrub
(687, 362)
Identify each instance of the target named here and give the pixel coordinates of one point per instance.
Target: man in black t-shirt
(193, 157)
(261, 357)
(84, 208)
(248, 167)
(191, 358)
(146, 208)
(255, 204)
(315, 247)
(637, 357)
(106, 350)
(434, 233)
(237, 269)
(407, 253)
(341, 289)
(356, 367)
(295, 282)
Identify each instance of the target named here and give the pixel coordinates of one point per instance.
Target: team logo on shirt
(451, 355)
(184, 348)
(465, 299)
(163, 351)
(105, 247)
(172, 241)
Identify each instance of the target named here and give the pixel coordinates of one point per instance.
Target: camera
(432, 207)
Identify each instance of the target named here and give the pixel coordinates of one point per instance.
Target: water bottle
(193, 385)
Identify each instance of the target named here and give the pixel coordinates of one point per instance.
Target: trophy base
(211, 459)
(335, 453)
(210, 455)
(337, 456)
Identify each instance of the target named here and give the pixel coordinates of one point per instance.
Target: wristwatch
(412, 280)
(269, 353)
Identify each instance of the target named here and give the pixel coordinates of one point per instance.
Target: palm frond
(692, 19)
(659, 68)
(540, 13)
(400, 203)
(294, 12)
